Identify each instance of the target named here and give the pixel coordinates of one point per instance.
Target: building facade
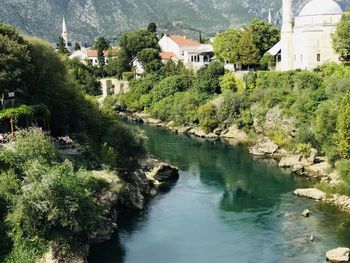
(306, 40)
(192, 53)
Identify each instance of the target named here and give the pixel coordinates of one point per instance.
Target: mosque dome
(321, 7)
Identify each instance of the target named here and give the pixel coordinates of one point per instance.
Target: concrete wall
(113, 87)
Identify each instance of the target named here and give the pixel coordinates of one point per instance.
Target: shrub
(166, 87)
(343, 168)
(228, 82)
(61, 203)
(343, 128)
(207, 117)
(208, 78)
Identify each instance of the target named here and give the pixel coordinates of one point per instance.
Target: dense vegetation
(45, 195)
(298, 110)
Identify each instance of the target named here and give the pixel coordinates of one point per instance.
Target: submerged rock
(306, 213)
(312, 193)
(340, 254)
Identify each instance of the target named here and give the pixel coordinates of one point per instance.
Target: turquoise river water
(226, 207)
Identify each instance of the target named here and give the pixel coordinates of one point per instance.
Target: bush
(343, 168)
(166, 87)
(208, 78)
(59, 203)
(207, 117)
(228, 82)
(343, 128)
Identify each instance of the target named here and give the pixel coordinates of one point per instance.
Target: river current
(226, 207)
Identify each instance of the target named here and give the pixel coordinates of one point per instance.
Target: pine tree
(62, 46)
(248, 52)
(77, 46)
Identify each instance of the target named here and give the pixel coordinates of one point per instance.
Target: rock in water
(312, 193)
(340, 254)
(306, 213)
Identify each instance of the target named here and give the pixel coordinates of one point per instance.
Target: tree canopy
(225, 45)
(341, 37)
(15, 62)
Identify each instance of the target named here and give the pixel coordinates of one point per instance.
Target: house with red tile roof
(192, 53)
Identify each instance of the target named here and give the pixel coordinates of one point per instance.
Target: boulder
(306, 213)
(183, 130)
(312, 193)
(341, 201)
(264, 146)
(200, 133)
(340, 254)
(234, 133)
(290, 161)
(321, 169)
(312, 157)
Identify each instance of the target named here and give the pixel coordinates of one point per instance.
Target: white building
(192, 53)
(306, 40)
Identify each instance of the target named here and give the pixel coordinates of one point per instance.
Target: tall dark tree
(152, 27)
(62, 45)
(150, 59)
(77, 46)
(101, 45)
(248, 52)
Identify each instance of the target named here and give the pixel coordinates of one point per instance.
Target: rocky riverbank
(312, 165)
(129, 192)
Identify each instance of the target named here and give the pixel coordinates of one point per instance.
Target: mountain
(88, 19)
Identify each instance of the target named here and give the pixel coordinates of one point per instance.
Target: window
(318, 57)
(301, 58)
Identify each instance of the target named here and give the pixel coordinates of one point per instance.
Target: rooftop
(321, 7)
(183, 41)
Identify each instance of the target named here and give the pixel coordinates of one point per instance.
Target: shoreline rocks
(311, 193)
(340, 254)
(310, 166)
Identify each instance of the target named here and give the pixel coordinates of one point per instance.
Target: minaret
(287, 16)
(64, 32)
(286, 36)
(270, 17)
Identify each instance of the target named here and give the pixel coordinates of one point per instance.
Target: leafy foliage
(341, 37)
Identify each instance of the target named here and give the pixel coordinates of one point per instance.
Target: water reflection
(226, 200)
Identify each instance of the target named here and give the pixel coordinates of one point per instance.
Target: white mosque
(306, 40)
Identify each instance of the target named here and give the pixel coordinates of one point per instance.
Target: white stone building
(192, 53)
(306, 40)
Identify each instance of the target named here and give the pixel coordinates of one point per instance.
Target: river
(226, 207)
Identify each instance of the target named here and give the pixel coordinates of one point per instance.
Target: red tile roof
(167, 55)
(183, 41)
(91, 53)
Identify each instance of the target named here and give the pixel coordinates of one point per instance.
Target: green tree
(225, 45)
(343, 127)
(208, 78)
(248, 52)
(133, 42)
(152, 27)
(15, 62)
(341, 37)
(207, 117)
(77, 46)
(265, 35)
(101, 45)
(62, 45)
(118, 64)
(150, 59)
